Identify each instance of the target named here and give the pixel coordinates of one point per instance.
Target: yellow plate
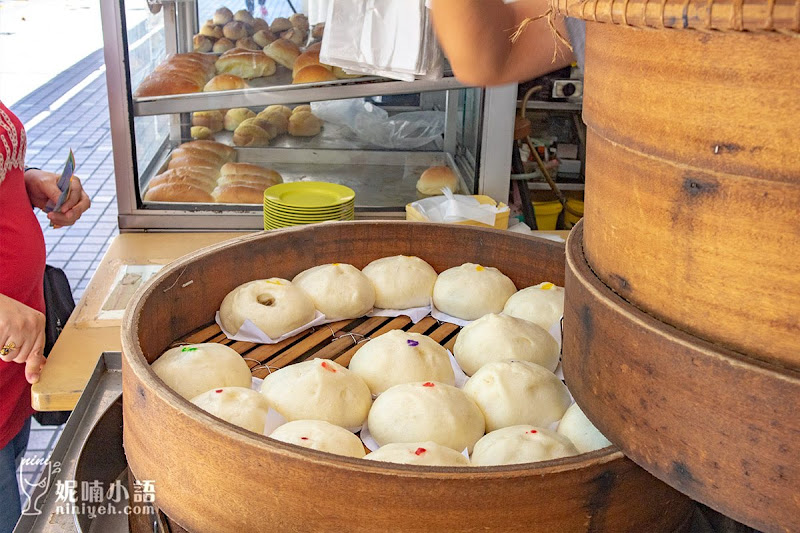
(293, 220)
(271, 208)
(309, 194)
(291, 216)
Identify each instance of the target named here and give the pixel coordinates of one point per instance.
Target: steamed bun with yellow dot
(542, 304)
(470, 291)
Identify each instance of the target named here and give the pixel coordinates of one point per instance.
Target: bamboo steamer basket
(213, 476)
(718, 426)
(693, 165)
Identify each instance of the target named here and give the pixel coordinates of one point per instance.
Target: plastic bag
(403, 131)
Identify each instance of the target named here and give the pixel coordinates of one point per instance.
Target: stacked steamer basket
(213, 476)
(682, 318)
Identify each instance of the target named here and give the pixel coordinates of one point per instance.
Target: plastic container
(570, 219)
(500, 222)
(546, 214)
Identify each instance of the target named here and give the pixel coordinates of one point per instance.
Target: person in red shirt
(22, 261)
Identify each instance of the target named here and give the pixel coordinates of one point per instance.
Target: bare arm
(476, 37)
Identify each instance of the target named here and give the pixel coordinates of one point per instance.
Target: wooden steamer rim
(211, 475)
(716, 425)
(756, 16)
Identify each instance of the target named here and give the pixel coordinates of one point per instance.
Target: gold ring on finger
(8, 348)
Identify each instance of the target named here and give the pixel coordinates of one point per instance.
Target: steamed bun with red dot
(520, 444)
(418, 453)
(240, 406)
(320, 435)
(470, 291)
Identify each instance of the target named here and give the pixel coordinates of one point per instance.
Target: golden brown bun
(282, 109)
(194, 62)
(243, 15)
(294, 35)
(313, 74)
(304, 124)
(222, 16)
(305, 108)
(177, 74)
(235, 116)
(283, 51)
(277, 119)
(159, 84)
(263, 38)
(248, 44)
(201, 132)
(254, 132)
(259, 24)
(433, 179)
(314, 47)
(234, 30)
(177, 192)
(202, 177)
(299, 21)
(248, 174)
(245, 63)
(236, 169)
(307, 59)
(318, 31)
(194, 160)
(225, 82)
(342, 75)
(212, 120)
(222, 46)
(210, 30)
(201, 43)
(238, 194)
(280, 24)
(222, 151)
(252, 181)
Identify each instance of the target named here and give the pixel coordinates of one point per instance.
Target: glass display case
(474, 142)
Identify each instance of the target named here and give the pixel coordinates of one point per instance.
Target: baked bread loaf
(318, 31)
(241, 406)
(212, 30)
(235, 116)
(224, 152)
(277, 119)
(401, 281)
(243, 15)
(258, 25)
(282, 109)
(248, 44)
(318, 389)
(415, 412)
(222, 16)
(294, 35)
(314, 47)
(510, 393)
(299, 21)
(210, 119)
(222, 46)
(338, 290)
(580, 431)
(234, 193)
(201, 132)
(204, 178)
(542, 304)
(398, 357)
(248, 174)
(304, 124)
(280, 24)
(520, 444)
(502, 337)
(225, 82)
(254, 132)
(234, 30)
(313, 74)
(307, 59)
(196, 368)
(178, 192)
(274, 306)
(320, 435)
(470, 291)
(245, 63)
(418, 453)
(299, 109)
(283, 52)
(178, 74)
(201, 43)
(263, 38)
(434, 178)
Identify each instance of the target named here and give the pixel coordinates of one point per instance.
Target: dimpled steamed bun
(401, 281)
(415, 412)
(418, 453)
(510, 393)
(542, 304)
(274, 305)
(338, 290)
(240, 406)
(520, 444)
(501, 337)
(470, 291)
(318, 389)
(196, 368)
(580, 430)
(320, 435)
(401, 357)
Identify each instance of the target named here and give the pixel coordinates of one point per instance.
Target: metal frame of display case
(495, 127)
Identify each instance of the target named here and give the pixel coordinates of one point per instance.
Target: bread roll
(313, 74)
(300, 109)
(307, 59)
(197, 160)
(258, 25)
(434, 178)
(177, 74)
(280, 24)
(243, 15)
(177, 192)
(211, 30)
(222, 16)
(318, 31)
(161, 83)
(210, 119)
(254, 132)
(201, 43)
(248, 169)
(224, 152)
(201, 132)
(235, 116)
(338, 290)
(470, 291)
(225, 82)
(283, 51)
(320, 435)
(304, 124)
(299, 21)
(426, 453)
(314, 47)
(263, 38)
(248, 44)
(542, 304)
(238, 194)
(294, 35)
(284, 110)
(342, 75)
(241, 406)
(196, 368)
(520, 444)
(222, 46)
(580, 431)
(277, 119)
(259, 182)
(202, 177)
(245, 63)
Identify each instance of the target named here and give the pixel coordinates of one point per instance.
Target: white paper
(461, 377)
(366, 438)
(274, 421)
(250, 333)
(454, 208)
(444, 317)
(415, 313)
(138, 275)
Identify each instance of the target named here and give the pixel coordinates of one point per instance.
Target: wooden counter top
(86, 335)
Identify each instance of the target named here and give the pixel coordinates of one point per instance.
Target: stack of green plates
(307, 202)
